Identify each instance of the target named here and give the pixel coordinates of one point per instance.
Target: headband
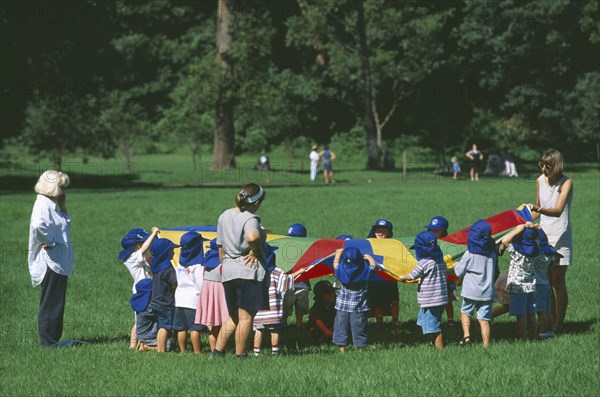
(252, 199)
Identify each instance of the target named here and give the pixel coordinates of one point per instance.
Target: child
(145, 319)
(523, 246)
(383, 294)
(164, 283)
(135, 246)
(549, 257)
(455, 168)
(432, 294)
(272, 319)
(322, 314)
(478, 269)
(298, 299)
(212, 306)
(439, 226)
(189, 284)
(353, 270)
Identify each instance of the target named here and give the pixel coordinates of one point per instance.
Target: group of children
(188, 295)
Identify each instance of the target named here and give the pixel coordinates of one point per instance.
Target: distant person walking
(553, 207)
(328, 156)
(476, 158)
(314, 163)
(50, 253)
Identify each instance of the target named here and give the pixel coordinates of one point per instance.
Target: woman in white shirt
(50, 253)
(553, 207)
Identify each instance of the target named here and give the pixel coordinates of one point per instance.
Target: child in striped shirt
(272, 319)
(432, 294)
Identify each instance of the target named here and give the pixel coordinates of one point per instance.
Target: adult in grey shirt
(241, 239)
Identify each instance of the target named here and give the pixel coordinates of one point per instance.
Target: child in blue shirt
(432, 293)
(478, 269)
(353, 270)
(164, 283)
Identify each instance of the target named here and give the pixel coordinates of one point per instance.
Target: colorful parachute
(393, 254)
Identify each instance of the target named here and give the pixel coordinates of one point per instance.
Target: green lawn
(105, 204)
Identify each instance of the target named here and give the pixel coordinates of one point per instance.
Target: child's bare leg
(212, 336)
(466, 325)
(242, 331)
(521, 326)
(257, 341)
(531, 327)
(182, 339)
(195, 338)
(486, 332)
(133, 338)
(378, 310)
(450, 311)
(395, 310)
(227, 329)
(161, 340)
(499, 310)
(298, 319)
(544, 323)
(275, 341)
(437, 340)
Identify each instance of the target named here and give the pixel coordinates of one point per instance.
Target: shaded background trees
(120, 78)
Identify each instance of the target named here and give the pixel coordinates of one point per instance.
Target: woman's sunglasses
(541, 164)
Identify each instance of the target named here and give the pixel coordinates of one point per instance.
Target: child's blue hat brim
(161, 254)
(133, 237)
(344, 237)
(426, 247)
(141, 298)
(381, 223)
(480, 239)
(527, 242)
(297, 230)
(211, 257)
(353, 267)
(438, 223)
(270, 257)
(192, 249)
(545, 246)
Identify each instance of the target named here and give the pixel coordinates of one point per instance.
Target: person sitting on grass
(135, 248)
(353, 270)
(189, 284)
(478, 269)
(164, 283)
(321, 317)
(145, 319)
(432, 294)
(272, 319)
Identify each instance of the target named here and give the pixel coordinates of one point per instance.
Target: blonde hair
(51, 183)
(555, 161)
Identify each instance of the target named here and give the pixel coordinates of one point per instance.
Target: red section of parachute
(320, 249)
(500, 222)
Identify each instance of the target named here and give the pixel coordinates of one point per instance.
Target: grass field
(105, 204)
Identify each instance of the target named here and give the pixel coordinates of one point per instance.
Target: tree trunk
(224, 143)
(370, 131)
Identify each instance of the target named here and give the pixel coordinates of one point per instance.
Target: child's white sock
(256, 351)
(275, 350)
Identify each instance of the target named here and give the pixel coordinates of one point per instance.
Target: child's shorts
(430, 319)
(484, 308)
(146, 326)
(268, 327)
(542, 297)
(164, 315)
(184, 320)
(521, 303)
(296, 299)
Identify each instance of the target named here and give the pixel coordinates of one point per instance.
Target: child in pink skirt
(212, 307)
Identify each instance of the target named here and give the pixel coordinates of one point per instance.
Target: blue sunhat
(211, 257)
(527, 242)
(344, 237)
(192, 249)
(161, 250)
(297, 230)
(438, 223)
(141, 298)
(353, 267)
(426, 247)
(480, 239)
(381, 223)
(270, 257)
(133, 237)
